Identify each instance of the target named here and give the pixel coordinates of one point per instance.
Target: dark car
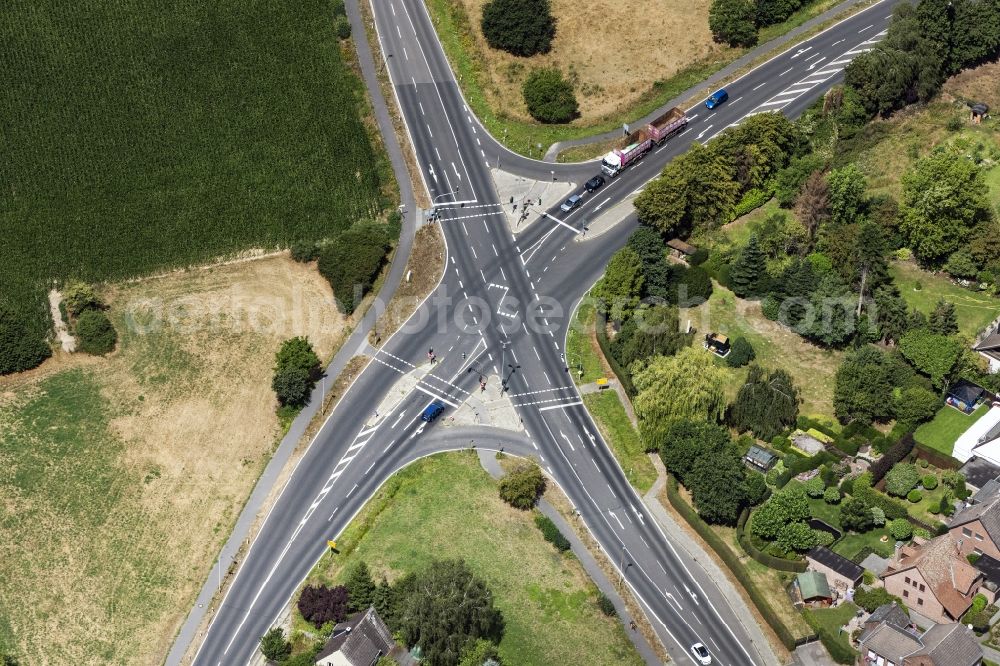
(594, 184)
(571, 203)
(717, 98)
(432, 411)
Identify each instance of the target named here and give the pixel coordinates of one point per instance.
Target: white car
(701, 654)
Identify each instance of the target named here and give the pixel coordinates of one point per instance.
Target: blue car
(432, 411)
(717, 98)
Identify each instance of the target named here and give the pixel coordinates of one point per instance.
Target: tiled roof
(979, 471)
(838, 563)
(948, 574)
(892, 613)
(362, 639)
(890, 641)
(990, 342)
(951, 645)
(987, 512)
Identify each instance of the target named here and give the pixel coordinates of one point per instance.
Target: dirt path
(67, 341)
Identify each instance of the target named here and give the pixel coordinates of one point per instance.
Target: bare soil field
(980, 84)
(662, 36)
(121, 476)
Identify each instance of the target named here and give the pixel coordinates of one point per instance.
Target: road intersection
(503, 308)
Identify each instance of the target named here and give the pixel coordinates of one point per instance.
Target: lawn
(121, 477)
(947, 425)
(582, 350)
(811, 367)
(547, 600)
(143, 136)
(830, 621)
(852, 543)
(617, 430)
(973, 309)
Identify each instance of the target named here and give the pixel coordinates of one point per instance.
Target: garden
(947, 426)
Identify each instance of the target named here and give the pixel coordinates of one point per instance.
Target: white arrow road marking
(612, 513)
(418, 430)
(598, 206)
(801, 51)
(813, 66)
(703, 132)
(571, 447)
(637, 514)
(692, 595)
(674, 601)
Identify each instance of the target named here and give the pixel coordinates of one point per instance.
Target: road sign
(332, 545)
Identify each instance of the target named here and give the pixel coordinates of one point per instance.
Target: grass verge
(582, 351)
(609, 414)
(547, 600)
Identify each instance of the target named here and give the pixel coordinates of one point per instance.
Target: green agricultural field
(548, 603)
(973, 309)
(143, 135)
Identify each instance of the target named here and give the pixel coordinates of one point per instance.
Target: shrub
(273, 645)
(605, 605)
(22, 338)
(900, 529)
(699, 257)
(552, 533)
(79, 296)
(922, 463)
(823, 538)
(847, 485)
(893, 455)
(304, 251)
(550, 97)
(95, 333)
(519, 27)
(741, 353)
(973, 558)
(732, 22)
(814, 487)
(929, 482)
(342, 26)
(914, 496)
(831, 495)
(351, 261)
(921, 532)
(871, 598)
(901, 479)
(770, 307)
(320, 604)
(752, 200)
(522, 486)
(878, 516)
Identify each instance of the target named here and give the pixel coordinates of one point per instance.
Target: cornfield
(139, 135)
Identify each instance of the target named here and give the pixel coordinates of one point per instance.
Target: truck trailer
(638, 143)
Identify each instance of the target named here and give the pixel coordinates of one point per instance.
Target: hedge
(935, 458)
(552, 533)
(794, 566)
(895, 454)
(733, 563)
(601, 324)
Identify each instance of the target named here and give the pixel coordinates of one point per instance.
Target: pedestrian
(631, 623)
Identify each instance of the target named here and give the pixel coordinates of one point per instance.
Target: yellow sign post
(332, 545)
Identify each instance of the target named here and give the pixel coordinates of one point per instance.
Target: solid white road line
(435, 395)
(568, 404)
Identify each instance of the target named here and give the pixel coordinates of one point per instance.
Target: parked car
(571, 203)
(701, 654)
(594, 184)
(717, 98)
(432, 411)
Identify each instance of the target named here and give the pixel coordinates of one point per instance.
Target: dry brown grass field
(614, 54)
(122, 476)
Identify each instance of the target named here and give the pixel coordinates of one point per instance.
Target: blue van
(716, 98)
(432, 411)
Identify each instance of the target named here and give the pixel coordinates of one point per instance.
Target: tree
(747, 270)
(869, 258)
(916, 405)
(649, 332)
(937, 356)
(320, 604)
(732, 22)
(740, 353)
(796, 536)
(617, 292)
(694, 287)
(881, 78)
(687, 385)
(480, 653)
(765, 404)
(901, 479)
(892, 316)
(273, 645)
(812, 205)
(871, 598)
(360, 586)
(944, 197)
(847, 188)
(95, 333)
(717, 485)
(292, 386)
(447, 609)
(681, 442)
(22, 341)
(519, 27)
(900, 529)
(79, 296)
(856, 515)
(862, 388)
(296, 368)
(833, 320)
(789, 181)
(382, 600)
(786, 506)
(755, 488)
(769, 12)
(351, 261)
(550, 97)
(943, 320)
(961, 264)
(522, 486)
(878, 516)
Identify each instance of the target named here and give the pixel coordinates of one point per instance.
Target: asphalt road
(503, 309)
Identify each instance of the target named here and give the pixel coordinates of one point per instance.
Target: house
(989, 348)
(890, 639)
(990, 568)
(839, 571)
(976, 527)
(934, 579)
(813, 587)
(981, 439)
(760, 459)
(361, 640)
(978, 472)
(966, 396)
(680, 248)
(717, 343)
